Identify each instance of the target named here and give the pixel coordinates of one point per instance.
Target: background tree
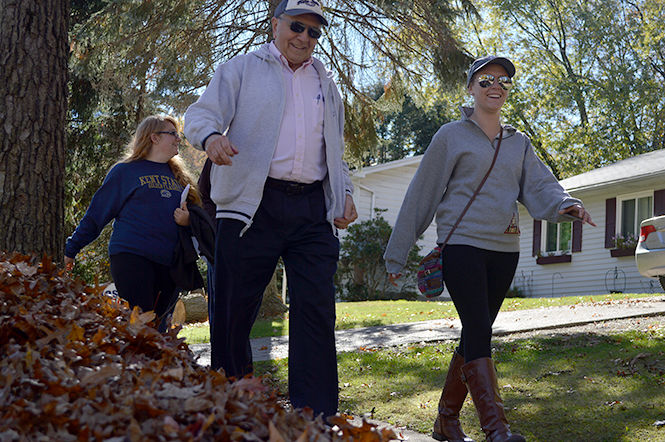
(33, 89)
(156, 55)
(589, 88)
(409, 131)
(130, 59)
(648, 40)
(404, 121)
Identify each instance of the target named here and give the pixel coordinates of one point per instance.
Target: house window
(555, 243)
(557, 238)
(633, 209)
(620, 218)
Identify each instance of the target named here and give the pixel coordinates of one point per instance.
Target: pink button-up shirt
(300, 154)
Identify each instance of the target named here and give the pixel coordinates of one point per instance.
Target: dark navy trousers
(294, 227)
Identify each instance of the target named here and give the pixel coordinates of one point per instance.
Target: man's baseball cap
(297, 7)
(480, 63)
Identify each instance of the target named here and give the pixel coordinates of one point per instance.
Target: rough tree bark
(272, 305)
(33, 106)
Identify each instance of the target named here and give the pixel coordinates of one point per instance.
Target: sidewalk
(442, 329)
(264, 349)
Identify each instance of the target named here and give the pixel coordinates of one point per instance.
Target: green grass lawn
(372, 313)
(581, 387)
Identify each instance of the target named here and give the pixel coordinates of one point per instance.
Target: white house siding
(389, 187)
(388, 184)
(592, 271)
(364, 200)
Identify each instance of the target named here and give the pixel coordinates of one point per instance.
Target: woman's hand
(181, 215)
(69, 263)
(578, 212)
(393, 277)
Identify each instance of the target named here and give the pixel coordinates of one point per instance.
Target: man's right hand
(220, 150)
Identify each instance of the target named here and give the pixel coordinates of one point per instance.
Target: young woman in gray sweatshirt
(481, 255)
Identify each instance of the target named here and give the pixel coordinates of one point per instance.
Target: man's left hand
(350, 214)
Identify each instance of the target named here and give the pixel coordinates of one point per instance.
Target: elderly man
(272, 121)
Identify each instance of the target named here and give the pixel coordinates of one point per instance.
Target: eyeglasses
(170, 132)
(487, 80)
(299, 28)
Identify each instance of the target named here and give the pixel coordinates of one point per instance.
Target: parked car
(650, 250)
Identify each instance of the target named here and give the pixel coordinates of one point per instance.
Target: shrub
(515, 292)
(92, 262)
(361, 273)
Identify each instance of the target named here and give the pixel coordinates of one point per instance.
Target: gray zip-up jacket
(245, 99)
(455, 162)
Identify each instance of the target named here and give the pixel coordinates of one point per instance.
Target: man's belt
(292, 187)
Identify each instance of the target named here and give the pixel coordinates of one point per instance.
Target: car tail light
(645, 231)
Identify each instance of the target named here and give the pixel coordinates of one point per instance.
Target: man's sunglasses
(487, 80)
(299, 28)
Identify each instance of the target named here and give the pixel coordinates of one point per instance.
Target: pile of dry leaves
(77, 365)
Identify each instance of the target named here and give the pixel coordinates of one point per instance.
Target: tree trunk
(192, 307)
(272, 305)
(33, 107)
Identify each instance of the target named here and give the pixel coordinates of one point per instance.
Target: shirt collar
(278, 55)
(466, 112)
(466, 116)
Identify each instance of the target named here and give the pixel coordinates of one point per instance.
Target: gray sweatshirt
(245, 99)
(455, 162)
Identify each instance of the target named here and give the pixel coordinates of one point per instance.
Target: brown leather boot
(447, 426)
(480, 378)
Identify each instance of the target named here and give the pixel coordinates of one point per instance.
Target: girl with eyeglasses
(482, 249)
(142, 194)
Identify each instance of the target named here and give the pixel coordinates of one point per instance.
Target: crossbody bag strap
(480, 186)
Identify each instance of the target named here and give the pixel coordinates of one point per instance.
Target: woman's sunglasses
(487, 80)
(299, 28)
(170, 132)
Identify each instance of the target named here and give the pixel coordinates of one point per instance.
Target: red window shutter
(577, 236)
(610, 222)
(537, 228)
(659, 202)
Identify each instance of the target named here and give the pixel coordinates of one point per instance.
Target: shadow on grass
(577, 387)
(346, 325)
(585, 386)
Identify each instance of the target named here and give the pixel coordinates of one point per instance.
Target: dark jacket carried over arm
(204, 189)
(203, 229)
(184, 271)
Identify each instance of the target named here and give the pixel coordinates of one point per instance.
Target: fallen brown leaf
(79, 365)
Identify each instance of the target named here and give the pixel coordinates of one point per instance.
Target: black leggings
(477, 280)
(144, 283)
